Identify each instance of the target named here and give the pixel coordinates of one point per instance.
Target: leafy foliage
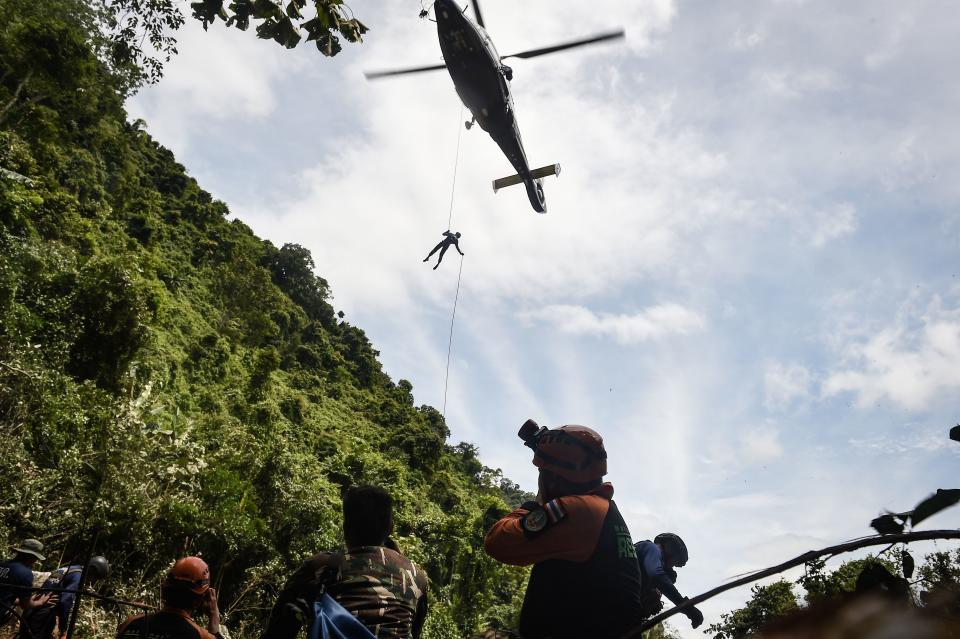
(938, 574)
(767, 603)
(283, 22)
(820, 585)
(893, 523)
(178, 385)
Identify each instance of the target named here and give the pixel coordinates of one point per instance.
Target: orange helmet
(191, 573)
(573, 452)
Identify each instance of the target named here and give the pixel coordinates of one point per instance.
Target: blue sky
(747, 281)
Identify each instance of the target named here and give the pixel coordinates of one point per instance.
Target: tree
(820, 585)
(44, 55)
(283, 23)
(291, 267)
(130, 24)
(767, 603)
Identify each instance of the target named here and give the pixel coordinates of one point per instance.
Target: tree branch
(856, 544)
(11, 366)
(16, 96)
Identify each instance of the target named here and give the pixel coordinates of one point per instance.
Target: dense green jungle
(172, 384)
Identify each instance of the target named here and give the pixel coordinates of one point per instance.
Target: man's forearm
(669, 591)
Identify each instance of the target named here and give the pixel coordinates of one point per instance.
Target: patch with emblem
(535, 521)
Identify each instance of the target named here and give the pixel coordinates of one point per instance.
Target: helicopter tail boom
(542, 172)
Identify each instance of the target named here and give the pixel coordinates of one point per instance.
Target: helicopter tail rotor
(542, 172)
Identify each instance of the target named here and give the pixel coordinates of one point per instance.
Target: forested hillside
(171, 384)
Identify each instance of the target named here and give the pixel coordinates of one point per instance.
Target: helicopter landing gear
(470, 124)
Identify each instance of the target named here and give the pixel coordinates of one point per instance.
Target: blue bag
(333, 621)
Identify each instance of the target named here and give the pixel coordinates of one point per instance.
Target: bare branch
(16, 96)
(856, 544)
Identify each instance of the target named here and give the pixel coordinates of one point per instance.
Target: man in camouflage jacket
(383, 589)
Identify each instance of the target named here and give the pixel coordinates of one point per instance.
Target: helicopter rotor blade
(532, 53)
(478, 14)
(376, 75)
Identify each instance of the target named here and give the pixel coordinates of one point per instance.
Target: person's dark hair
(179, 596)
(367, 516)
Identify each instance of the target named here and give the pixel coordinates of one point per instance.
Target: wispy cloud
(761, 445)
(651, 323)
(785, 383)
(833, 222)
(908, 362)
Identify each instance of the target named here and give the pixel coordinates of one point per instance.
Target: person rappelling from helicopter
(449, 239)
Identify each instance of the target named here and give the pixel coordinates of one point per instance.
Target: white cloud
(910, 442)
(794, 84)
(832, 223)
(761, 445)
(747, 38)
(651, 323)
(784, 383)
(219, 75)
(909, 362)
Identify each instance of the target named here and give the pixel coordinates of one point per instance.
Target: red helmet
(191, 573)
(573, 452)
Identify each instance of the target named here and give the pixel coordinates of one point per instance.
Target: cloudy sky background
(747, 280)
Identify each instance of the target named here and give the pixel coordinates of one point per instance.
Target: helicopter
(482, 81)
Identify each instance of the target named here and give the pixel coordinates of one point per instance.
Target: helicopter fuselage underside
(478, 76)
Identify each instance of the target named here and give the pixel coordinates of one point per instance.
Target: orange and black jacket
(585, 580)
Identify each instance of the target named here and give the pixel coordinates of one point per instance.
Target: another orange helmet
(573, 452)
(192, 573)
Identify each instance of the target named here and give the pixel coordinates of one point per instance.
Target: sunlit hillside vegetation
(171, 384)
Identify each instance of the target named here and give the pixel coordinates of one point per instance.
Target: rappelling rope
(453, 316)
(456, 162)
(446, 380)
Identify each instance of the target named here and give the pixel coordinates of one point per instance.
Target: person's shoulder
(312, 565)
(398, 560)
(132, 621)
(20, 573)
(584, 505)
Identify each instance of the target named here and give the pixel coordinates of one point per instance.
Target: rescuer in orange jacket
(585, 580)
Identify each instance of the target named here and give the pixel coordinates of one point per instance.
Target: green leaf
(242, 10)
(207, 11)
(281, 31)
(263, 9)
(294, 9)
(314, 29)
(888, 524)
(352, 30)
(933, 504)
(286, 33)
(328, 44)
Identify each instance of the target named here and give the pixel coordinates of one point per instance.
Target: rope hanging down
(453, 316)
(446, 378)
(456, 162)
